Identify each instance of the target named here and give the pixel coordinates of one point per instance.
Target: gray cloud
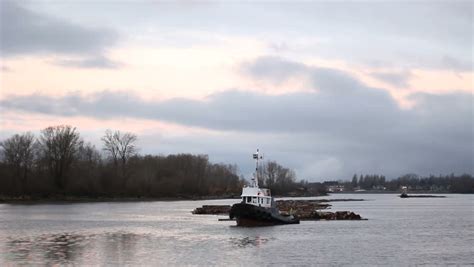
(26, 32)
(93, 62)
(277, 70)
(341, 128)
(229, 110)
(396, 78)
(399, 34)
(458, 64)
(273, 68)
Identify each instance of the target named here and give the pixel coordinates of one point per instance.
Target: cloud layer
(24, 32)
(327, 125)
(340, 127)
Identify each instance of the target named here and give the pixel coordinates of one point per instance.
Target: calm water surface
(437, 231)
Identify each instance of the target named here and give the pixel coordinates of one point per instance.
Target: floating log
(213, 209)
(340, 199)
(299, 206)
(302, 209)
(338, 215)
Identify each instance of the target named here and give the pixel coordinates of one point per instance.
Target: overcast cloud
(342, 123)
(25, 32)
(93, 62)
(337, 121)
(400, 34)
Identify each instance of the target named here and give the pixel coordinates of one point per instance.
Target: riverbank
(390, 192)
(85, 199)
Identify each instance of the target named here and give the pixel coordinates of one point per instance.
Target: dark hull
(427, 196)
(250, 215)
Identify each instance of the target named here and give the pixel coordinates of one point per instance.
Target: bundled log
(300, 208)
(338, 215)
(212, 209)
(303, 209)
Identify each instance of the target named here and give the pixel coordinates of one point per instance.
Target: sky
(328, 89)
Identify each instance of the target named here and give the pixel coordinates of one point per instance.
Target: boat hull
(250, 215)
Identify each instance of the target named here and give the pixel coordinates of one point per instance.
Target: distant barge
(405, 194)
(420, 196)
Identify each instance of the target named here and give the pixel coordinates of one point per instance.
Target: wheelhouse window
(249, 199)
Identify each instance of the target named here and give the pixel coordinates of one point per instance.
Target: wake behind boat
(258, 208)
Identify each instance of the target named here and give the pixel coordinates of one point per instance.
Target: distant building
(333, 186)
(359, 189)
(379, 187)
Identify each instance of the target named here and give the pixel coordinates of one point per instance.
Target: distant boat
(404, 194)
(258, 207)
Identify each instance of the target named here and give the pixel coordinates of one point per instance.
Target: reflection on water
(113, 247)
(256, 241)
(56, 248)
(120, 246)
(398, 232)
(67, 248)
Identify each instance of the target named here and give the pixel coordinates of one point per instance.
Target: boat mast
(255, 179)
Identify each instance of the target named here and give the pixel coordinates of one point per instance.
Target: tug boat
(258, 207)
(404, 193)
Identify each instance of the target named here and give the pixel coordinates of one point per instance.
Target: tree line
(282, 181)
(368, 181)
(278, 179)
(443, 183)
(60, 163)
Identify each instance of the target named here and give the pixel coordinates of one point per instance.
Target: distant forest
(442, 183)
(59, 163)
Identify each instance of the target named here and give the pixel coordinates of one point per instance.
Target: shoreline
(59, 199)
(67, 200)
(395, 192)
(62, 199)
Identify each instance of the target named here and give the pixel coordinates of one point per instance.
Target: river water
(433, 231)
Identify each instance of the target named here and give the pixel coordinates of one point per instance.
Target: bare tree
(120, 146)
(86, 171)
(277, 177)
(271, 170)
(89, 154)
(18, 152)
(59, 147)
